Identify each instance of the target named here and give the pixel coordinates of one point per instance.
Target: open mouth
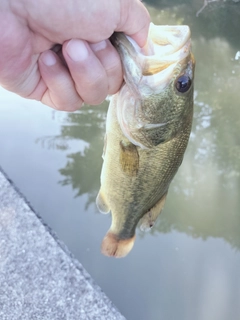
(153, 65)
(166, 45)
(169, 39)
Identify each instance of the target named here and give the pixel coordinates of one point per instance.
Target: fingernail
(98, 46)
(77, 50)
(48, 58)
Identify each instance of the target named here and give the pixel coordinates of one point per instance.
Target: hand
(86, 69)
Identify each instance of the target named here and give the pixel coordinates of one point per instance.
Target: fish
(147, 131)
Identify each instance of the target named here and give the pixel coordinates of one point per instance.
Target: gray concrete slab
(39, 279)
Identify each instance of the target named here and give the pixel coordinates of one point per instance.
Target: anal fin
(151, 216)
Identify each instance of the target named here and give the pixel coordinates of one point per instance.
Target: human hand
(88, 67)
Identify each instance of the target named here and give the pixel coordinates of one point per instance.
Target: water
(188, 266)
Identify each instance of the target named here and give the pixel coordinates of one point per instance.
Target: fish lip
(173, 39)
(180, 54)
(126, 43)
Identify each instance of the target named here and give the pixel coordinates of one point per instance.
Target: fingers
(57, 88)
(92, 72)
(95, 69)
(110, 60)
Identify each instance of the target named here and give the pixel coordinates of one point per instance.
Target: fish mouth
(167, 39)
(165, 48)
(165, 43)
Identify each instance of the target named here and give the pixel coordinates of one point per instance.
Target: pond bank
(39, 279)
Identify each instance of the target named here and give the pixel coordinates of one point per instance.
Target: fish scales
(141, 198)
(147, 131)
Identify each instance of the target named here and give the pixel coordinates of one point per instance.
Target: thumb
(134, 21)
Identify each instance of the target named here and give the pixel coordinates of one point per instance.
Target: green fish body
(148, 126)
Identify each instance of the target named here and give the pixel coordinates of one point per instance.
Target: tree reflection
(82, 170)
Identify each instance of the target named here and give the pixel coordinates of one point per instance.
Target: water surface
(188, 266)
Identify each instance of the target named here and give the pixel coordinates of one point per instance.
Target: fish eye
(183, 83)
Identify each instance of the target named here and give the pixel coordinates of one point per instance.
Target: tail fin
(112, 246)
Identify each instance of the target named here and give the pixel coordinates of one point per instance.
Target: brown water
(188, 267)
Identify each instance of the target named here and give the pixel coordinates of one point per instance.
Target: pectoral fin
(150, 217)
(129, 158)
(102, 203)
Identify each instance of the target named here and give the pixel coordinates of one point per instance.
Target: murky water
(188, 266)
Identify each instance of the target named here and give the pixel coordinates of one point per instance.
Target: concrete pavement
(39, 279)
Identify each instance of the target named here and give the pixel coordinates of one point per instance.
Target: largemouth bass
(147, 130)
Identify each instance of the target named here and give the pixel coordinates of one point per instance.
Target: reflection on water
(191, 259)
(82, 168)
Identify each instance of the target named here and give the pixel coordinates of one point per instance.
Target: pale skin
(92, 67)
